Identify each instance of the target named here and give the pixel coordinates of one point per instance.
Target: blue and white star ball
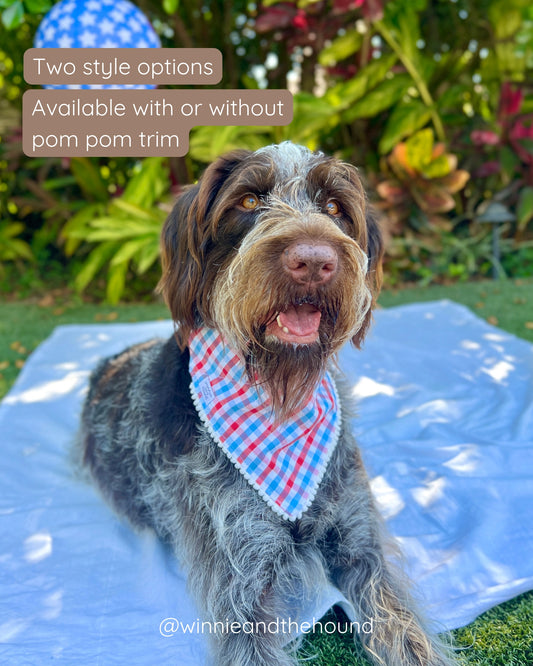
(93, 24)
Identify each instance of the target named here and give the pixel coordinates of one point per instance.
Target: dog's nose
(310, 264)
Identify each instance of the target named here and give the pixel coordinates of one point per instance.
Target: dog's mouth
(297, 324)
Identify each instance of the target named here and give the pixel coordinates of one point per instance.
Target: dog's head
(278, 251)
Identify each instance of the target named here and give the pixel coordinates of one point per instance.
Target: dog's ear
(375, 249)
(184, 240)
(180, 265)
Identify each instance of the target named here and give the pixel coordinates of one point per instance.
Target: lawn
(501, 637)
(24, 324)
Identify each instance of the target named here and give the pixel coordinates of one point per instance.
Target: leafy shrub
(424, 178)
(11, 247)
(122, 233)
(420, 94)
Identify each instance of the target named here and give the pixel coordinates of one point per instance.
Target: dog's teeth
(283, 328)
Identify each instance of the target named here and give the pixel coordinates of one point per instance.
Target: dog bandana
(283, 462)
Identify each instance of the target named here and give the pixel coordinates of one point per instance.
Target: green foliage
(342, 47)
(311, 116)
(346, 93)
(11, 247)
(170, 6)
(405, 120)
(380, 99)
(400, 87)
(524, 209)
(123, 232)
(423, 178)
(441, 256)
(518, 260)
(13, 15)
(208, 142)
(15, 10)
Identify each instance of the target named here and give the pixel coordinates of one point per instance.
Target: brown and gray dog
(276, 251)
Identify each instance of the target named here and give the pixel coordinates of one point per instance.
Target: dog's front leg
(252, 635)
(244, 567)
(394, 633)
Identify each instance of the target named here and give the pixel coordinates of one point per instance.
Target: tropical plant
(367, 77)
(122, 233)
(441, 257)
(502, 157)
(14, 11)
(423, 178)
(11, 247)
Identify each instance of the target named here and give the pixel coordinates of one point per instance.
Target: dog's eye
(250, 201)
(333, 208)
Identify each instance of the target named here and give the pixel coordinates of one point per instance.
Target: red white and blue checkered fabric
(283, 462)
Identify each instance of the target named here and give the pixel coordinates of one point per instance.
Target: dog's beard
(289, 373)
(287, 331)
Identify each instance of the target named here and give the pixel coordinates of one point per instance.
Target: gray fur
(242, 559)
(156, 463)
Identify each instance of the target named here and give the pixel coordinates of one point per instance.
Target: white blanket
(446, 428)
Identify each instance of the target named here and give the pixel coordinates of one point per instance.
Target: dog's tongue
(301, 320)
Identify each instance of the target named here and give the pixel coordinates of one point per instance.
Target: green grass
(24, 325)
(507, 304)
(501, 637)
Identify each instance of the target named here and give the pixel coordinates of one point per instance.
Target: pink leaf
(484, 138)
(510, 100)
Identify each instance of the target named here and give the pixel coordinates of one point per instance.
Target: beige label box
(123, 66)
(138, 123)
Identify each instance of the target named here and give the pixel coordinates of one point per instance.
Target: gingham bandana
(283, 462)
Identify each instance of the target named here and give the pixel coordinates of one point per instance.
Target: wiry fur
(156, 462)
(344, 309)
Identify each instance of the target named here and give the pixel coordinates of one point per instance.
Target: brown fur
(211, 251)
(226, 266)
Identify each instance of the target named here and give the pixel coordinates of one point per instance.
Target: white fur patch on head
(290, 159)
(292, 164)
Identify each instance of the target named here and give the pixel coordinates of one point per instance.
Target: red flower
(300, 20)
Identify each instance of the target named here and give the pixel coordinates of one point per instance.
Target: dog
(232, 438)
